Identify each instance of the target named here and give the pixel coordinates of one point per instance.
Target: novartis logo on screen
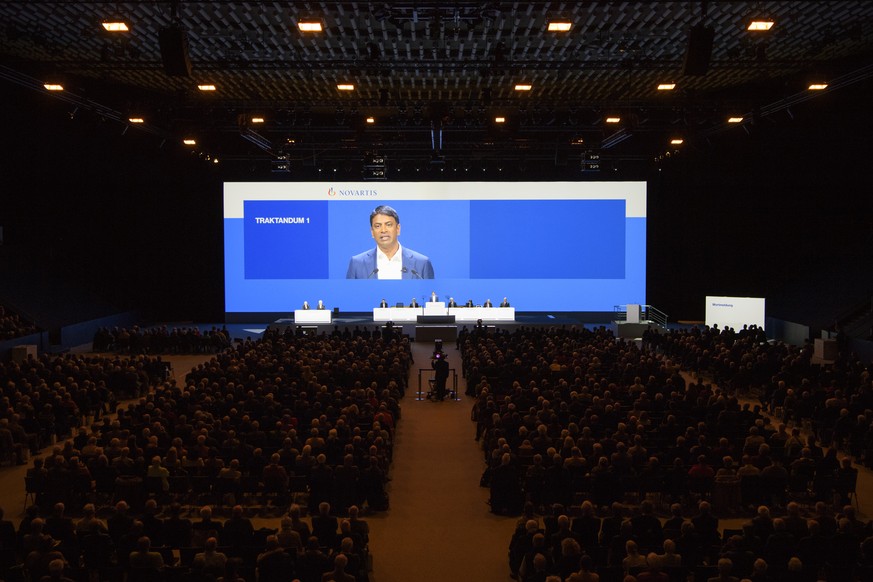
(351, 193)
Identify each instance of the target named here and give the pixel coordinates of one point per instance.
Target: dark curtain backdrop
(782, 211)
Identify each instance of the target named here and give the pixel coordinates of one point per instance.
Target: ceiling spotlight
(257, 120)
(666, 86)
(310, 25)
(206, 87)
(760, 25)
(115, 26)
(559, 25)
(735, 119)
(677, 141)
(188, 141)
(371, 119)
(214, 160)
(578, 140)
(136, 119)
(53, 87)
(499, 120)
(615, 119)
(817, 86)
(523, 87)
(345, 86)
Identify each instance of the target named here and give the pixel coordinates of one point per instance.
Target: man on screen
(389, 260)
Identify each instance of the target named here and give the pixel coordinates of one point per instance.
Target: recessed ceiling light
(759, 25)
(115, 26)
(613, 119)
(310, 25)
(136, 119)
(53, 87)
(499, 120)
(577, 141)
(188, 141)
(345, 86)
(523, 87)
(257, 120)
(214, 160)
(560, 25)
(371, 119)
(817, 86)
(677, 141)
(206, 87)
(735, 119)
(666, 86)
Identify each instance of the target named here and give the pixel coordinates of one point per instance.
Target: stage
(448, 332)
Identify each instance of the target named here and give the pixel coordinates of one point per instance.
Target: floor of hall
(439, 524)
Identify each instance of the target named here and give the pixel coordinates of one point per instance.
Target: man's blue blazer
(416, 264)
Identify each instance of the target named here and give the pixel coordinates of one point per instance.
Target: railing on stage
(453, 393)
(648, 313)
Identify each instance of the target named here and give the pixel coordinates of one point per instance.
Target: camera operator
(441, 373)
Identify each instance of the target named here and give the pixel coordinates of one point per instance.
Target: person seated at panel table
(469, 303)
(504, 303)
(413, 303)
(487, 303)
(452, 302)
(306, 305)
(320, 304)
(383, 304)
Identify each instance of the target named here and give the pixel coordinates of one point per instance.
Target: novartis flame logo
(331, 191)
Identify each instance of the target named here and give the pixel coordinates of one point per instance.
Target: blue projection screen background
(546, 246)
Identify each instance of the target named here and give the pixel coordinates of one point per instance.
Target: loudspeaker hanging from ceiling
(174, 51)
(699, 50)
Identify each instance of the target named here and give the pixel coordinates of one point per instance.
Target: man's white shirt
(390, 268)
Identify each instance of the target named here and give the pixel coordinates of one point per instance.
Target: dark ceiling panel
(435, 60)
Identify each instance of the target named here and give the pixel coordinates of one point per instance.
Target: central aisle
(439, 524)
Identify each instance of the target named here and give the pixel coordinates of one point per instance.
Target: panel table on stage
(312, 316)
(385, 314)
(474, 314)
(462, 314)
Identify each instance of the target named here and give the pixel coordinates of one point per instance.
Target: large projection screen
(546, 246)
(735, 312)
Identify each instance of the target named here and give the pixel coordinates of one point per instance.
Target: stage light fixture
(188, 141)
(206, 87)
(345, 86)
(371, 119)
(613, 119)
(760, 24)
(499, 119)
(735, 119)
(258, 120)
(559, 25)
(281, 165)
(666, 86)
(310, 25)
(53, 87)
(115, 26)
(677, 141)
(817, 86)
(136, 119)
(523, 87)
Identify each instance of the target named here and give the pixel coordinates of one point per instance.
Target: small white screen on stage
(735, 312)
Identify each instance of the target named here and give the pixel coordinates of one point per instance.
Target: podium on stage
(312, 316)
